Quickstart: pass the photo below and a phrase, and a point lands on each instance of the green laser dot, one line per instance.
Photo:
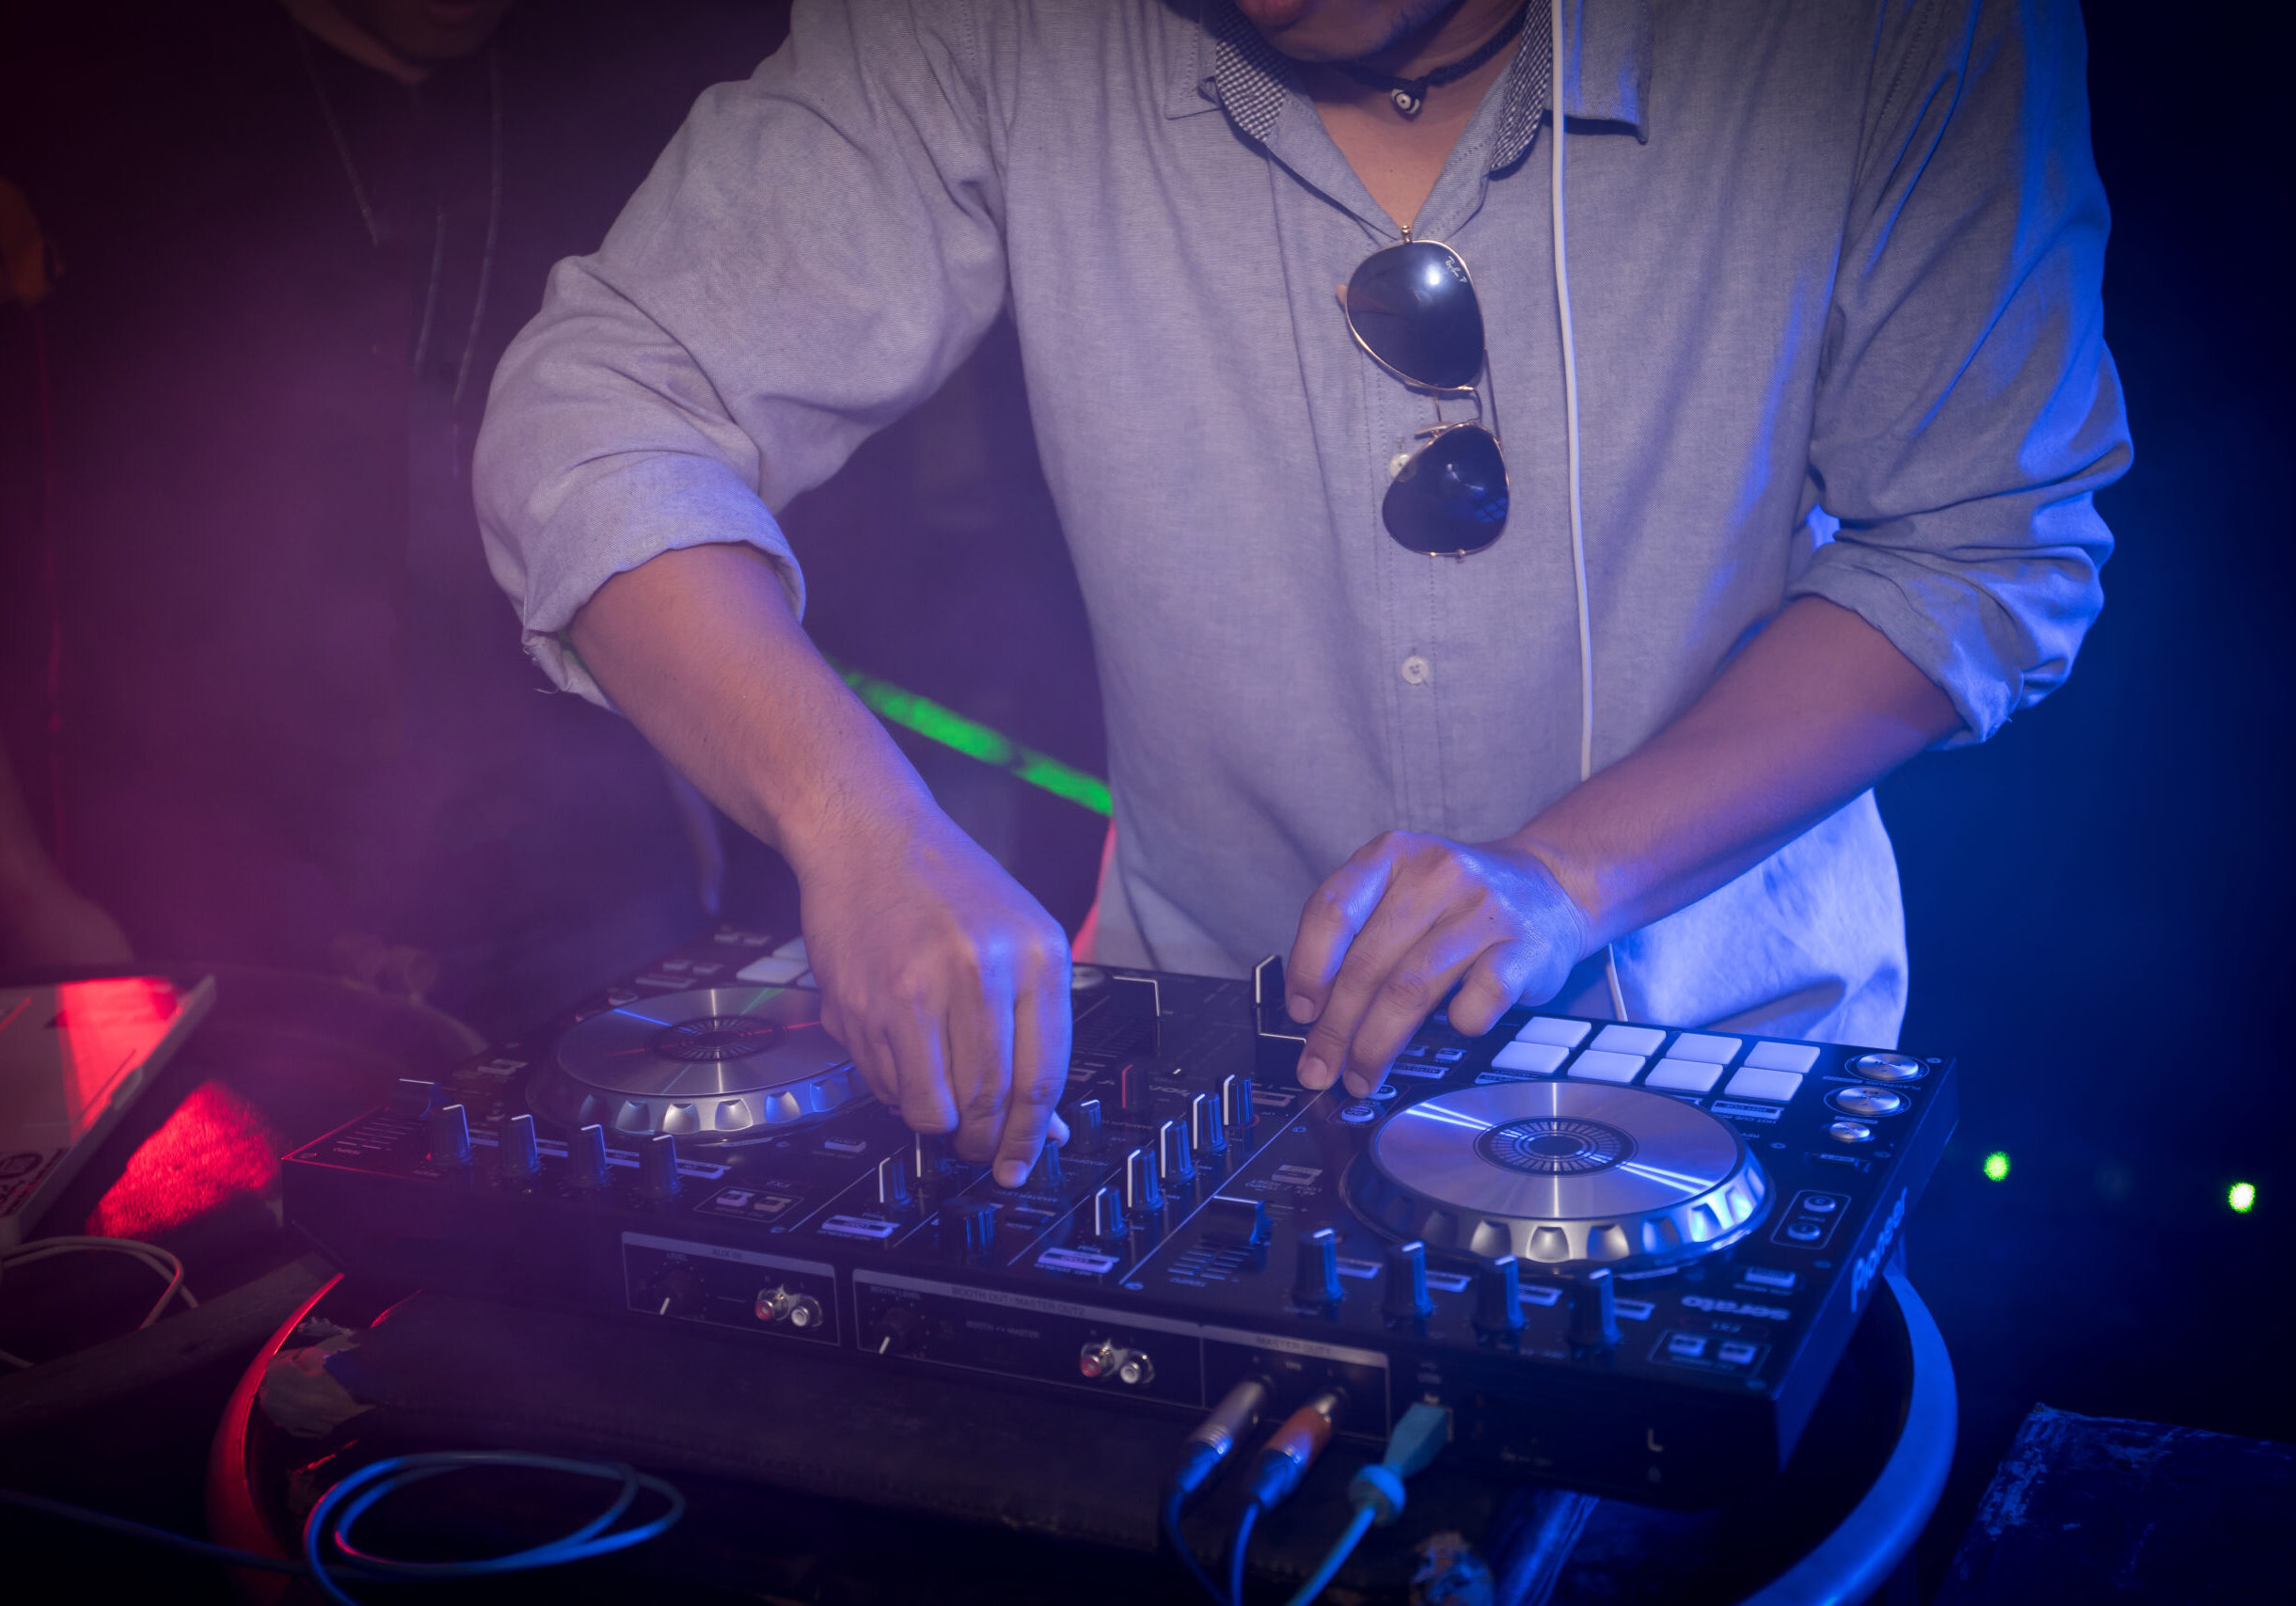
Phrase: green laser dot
(2242, 1198)
(1997, 1167)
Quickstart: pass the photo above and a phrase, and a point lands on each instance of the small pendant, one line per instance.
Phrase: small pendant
(1407, 102)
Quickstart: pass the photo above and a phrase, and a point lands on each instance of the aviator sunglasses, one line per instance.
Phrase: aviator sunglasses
(1413, 309)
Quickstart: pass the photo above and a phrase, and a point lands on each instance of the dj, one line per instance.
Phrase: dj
(1787, 480)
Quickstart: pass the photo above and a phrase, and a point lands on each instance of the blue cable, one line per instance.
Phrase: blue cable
(1377, 1489)
(342, 1507)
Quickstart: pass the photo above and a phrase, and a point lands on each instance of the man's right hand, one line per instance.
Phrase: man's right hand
(946, 983)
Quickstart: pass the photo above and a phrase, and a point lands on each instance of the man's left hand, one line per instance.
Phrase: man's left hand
(1392, 930)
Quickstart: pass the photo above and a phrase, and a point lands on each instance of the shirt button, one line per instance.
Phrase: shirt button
(1417, 670)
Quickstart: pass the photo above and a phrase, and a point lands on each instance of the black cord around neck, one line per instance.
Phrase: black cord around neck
(1410, 94)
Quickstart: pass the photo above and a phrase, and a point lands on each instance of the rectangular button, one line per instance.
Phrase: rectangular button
(1684, 1076)
(1764, 1277)
(1698, 1045)
(793, 948)
(1779, 1087)
(1690, 1346)
(1425, 1072)
(1546, 1057)
(1552, 1028)
(773, 971)
(1597, 1065)
(1538, 1293)
(1450, 1056)
(1633, 1310)
(1630, 1040)
(1738, 1352)
(1794, 1056)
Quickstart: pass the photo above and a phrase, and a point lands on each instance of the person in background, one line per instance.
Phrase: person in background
(280, 724)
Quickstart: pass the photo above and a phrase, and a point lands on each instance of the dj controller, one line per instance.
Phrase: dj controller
(1625, 1257)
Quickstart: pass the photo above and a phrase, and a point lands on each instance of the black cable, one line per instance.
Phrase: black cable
(133, 1529)
(1236, 1548)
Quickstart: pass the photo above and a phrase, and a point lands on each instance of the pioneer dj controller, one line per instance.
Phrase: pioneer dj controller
(1627, 1258)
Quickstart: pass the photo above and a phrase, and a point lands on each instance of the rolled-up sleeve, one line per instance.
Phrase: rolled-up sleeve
(818, 247)
(1967, 408)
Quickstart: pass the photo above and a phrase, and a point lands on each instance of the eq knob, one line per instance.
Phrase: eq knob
(1315, 1279)
(928, 1158)
(975, 1229)
(451, 1136)
(1594, 1315)
(412, 1098)
(1141, 1192)
(1175, 1155)
(1236, 1102)
(1404, 1298)
(586, 1156)
(1084, 1125)
(1046, 1174)
(893, 1191)
(521, 1155)
(1207, 1128)
(1498, 1296)
(658, 1166)
(1132, 1087)
(1107, 1214)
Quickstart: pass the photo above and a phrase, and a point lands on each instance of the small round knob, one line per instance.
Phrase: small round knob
(1594, 1315)
(521, 1155)
(451, 1136)
(899, 1330)
(1315, 1277)
(1142, 1193)
(1107, 1214)
(658, 1166)
(1084, 1125)
(1404, 1297)
(1175, 1155)
(586, 1156)
(1236, 1102)
(893, 1191)
(1498, 1296)
(1207, 1129)
(1046, 1174)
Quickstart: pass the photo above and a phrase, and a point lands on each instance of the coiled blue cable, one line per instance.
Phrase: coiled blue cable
(339, 1509)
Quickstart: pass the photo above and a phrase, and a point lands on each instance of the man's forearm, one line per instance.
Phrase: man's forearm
(1815, 710)
(702, 649)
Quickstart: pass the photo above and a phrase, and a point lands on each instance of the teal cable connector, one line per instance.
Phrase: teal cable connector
(1377, 1490)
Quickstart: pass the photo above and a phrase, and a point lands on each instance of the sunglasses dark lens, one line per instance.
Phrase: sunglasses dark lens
(1452, 496)
(1414, 306)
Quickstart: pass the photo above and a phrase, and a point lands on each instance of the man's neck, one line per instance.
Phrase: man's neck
(1455, 33)
(1399, 158)
(323, 21)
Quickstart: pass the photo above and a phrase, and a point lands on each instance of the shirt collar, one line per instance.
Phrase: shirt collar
(1605, 79)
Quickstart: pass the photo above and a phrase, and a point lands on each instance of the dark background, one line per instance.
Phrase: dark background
(2096, 900)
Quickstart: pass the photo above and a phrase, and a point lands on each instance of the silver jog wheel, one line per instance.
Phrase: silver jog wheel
(1562, 1175)
(718, 1063)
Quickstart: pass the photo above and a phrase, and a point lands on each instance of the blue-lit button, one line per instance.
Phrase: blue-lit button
(1690, 1346)
(1763, 1276)
(1738, 1352)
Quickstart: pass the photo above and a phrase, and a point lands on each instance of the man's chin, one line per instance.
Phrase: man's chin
(1336, 31)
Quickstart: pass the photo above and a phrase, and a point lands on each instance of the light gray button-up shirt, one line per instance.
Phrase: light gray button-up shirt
(1834, 266)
